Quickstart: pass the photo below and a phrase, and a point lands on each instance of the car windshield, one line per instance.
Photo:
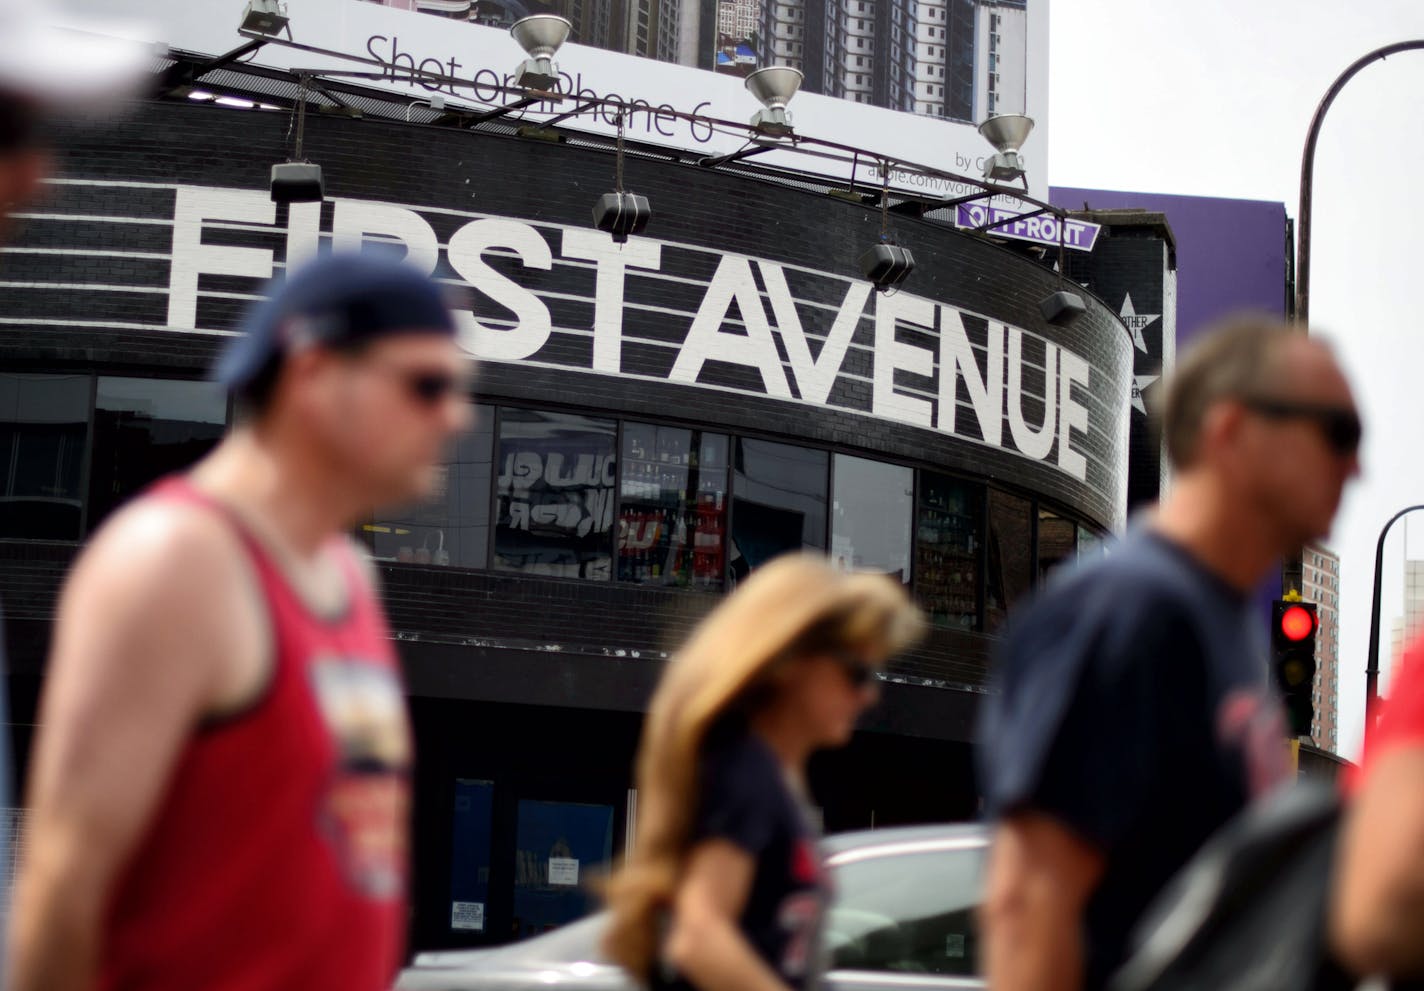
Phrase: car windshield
(909, 909)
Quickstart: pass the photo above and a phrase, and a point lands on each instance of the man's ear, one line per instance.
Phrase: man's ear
(1221, 425)
(20, 177)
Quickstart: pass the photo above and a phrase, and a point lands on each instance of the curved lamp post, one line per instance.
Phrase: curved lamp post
(1302, 314)
(1372, 664)
(1307, 169)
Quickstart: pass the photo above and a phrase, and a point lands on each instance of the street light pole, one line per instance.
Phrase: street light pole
(1372, 664)
(1307, 170)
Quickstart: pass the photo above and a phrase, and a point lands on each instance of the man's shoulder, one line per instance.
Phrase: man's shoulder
(1142, 575)
(1138, 606)
(739, 763)
(166, 548)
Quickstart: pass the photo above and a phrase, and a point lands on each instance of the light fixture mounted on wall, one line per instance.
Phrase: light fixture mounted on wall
(619, 213)
(297, 180)
(1007, 133)
(774, 86)
(1062, 307)
(540, 35)
(886, 264)
(267, 17)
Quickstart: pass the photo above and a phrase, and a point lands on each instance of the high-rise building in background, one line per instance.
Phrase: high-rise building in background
(959, 59)
(1000, 71)
(1320, 584)
(1408, 626)
(651, 28)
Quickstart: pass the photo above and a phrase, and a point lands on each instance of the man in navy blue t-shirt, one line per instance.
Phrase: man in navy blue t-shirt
(1132, 712)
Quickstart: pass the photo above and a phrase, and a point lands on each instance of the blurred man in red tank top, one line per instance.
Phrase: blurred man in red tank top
(219, 788)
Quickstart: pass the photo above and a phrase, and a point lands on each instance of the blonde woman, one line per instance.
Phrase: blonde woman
(724, 889)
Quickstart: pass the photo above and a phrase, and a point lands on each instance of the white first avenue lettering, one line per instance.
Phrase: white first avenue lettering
(925, 370)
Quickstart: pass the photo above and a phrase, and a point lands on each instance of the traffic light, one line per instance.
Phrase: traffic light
(1293, 626)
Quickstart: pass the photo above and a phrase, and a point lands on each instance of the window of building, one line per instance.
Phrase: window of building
(44, 427)
(1057, 541)
(452, 526)
(673, 520)
(145, 429)
(559, 846)
(1090, 544)
(947, 549)
(1009, 549)
(871, 511)
(557, 475)
(778, 503)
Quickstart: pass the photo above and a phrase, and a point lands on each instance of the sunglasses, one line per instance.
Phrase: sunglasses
(428, 387)
(1339, 425)
(857, 672)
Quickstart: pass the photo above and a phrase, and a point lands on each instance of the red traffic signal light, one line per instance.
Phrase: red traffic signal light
(1297, 623)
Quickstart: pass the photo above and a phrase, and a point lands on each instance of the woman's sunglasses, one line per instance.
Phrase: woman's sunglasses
(857, 671)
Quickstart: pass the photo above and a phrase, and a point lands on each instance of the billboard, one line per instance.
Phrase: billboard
(904, 79)
(1231, 254)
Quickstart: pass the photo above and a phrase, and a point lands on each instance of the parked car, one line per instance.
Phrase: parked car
(903, 918)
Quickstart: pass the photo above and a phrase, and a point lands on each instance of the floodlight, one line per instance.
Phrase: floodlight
(774, 86)
(264, 17)
(621, 214)
(887, 265)
(297, 182)
(540, 35)
(1062, 307)
(1007, 133)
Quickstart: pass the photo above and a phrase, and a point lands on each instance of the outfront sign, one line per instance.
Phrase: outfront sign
(1045, 229)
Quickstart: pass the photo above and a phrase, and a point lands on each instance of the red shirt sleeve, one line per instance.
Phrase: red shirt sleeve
(1401, 716)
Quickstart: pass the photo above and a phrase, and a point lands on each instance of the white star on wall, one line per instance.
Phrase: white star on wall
(1139, 385)
(1136, 322)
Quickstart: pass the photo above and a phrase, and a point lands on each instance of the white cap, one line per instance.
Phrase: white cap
(67, 62)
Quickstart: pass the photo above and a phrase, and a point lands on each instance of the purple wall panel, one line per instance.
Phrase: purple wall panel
(1231, 254)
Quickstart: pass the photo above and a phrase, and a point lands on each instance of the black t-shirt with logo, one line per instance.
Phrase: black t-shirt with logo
(745, 800)
(1132, 704)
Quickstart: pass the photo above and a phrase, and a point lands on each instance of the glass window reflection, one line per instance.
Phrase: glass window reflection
(452, 526)
(44, 426)
(1010, 555)
(779, 502)
(673, 520)
(888, 918)
(871, 516)
(1057, 541)
(948, 550)
(1090, 544)
(145, 429)
(557, 477)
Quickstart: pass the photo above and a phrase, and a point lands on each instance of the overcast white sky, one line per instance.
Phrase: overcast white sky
(1213, 98)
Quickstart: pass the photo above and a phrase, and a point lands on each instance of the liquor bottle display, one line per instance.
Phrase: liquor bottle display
(674, 507)
(947, 551)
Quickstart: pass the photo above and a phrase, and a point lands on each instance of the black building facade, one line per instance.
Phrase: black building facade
(1134, 267)
(654, 421)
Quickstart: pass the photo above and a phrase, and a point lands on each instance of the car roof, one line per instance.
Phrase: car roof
(975, 833)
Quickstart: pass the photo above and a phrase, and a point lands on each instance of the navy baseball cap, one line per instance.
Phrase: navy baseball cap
(336, 300)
